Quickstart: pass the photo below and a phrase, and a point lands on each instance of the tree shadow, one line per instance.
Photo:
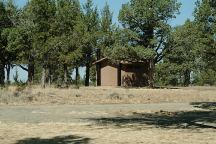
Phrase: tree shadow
(176, 120)
(56, 140)
(205, 105)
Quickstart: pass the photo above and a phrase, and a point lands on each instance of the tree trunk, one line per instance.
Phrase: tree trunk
(2, 74)
(43, 77)
(49, 76)
(148, 36)
(8, 68)
(187, 78)
(65, 75)
(77, 75)
(31, 70)
(151, 73)
(87, 74)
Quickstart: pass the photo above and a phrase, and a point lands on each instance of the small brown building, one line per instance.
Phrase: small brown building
(132, 74)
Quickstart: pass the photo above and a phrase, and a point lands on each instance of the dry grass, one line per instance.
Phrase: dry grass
(104, 95)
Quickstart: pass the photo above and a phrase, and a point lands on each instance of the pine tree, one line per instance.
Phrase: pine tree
(183, 58)
(7, 22)
(107, 30)
(66, 38)
(205, 15)
(42, 15)
(20, 41)
(91, 22)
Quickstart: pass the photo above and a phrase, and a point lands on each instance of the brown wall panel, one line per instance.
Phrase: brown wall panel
(109, 75)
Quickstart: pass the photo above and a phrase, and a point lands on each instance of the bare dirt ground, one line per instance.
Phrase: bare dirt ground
(108, 116)
(52, 133)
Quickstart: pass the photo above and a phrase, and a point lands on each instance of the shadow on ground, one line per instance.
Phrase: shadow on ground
(56, 140)
(205, 105)
(162, 119)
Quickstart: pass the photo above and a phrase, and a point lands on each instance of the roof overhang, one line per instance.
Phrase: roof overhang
(121, 62)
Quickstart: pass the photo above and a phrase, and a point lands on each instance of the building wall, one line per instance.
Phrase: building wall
(109, 74)
(134, 75)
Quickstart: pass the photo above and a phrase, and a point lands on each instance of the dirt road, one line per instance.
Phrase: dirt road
(77, 113)
(105, 124)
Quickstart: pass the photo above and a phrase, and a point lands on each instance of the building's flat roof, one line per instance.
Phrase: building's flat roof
(100, 60)
(122, 62)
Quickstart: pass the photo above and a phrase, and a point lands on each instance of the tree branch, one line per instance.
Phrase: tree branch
(22, 67)
(160, 43)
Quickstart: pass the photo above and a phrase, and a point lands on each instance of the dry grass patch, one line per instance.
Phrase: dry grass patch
(105, 95)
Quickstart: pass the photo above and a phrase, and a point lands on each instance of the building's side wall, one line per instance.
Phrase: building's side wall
(134, 75)
(109, 74)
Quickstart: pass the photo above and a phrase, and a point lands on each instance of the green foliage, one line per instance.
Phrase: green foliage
(106, 40)
(205, 15)
(8, 19)
(167, 75)
(67, 37)
(91, 32)
(205, 18)
(147, 21)
(192, 57)
(106, 19)
(206, 77)
(93, 75)
(183, 58)
(91, 29)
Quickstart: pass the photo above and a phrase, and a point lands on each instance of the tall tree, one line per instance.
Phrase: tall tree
(205, 18)
(13, 15)
(91, 21)
(42, 14)
(183, 58)
(3, 20)
(7, 22)
(107, 29)
(146, 22)
(20, 41)
(66, 34)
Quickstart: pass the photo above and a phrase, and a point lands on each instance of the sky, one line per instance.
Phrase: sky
(186, 12)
